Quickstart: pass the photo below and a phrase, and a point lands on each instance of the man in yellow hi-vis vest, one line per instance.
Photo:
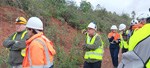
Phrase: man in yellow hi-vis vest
(124, 36)
(16, 43)
(138, 55)
(93, 48)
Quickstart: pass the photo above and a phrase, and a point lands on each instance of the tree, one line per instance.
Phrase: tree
(98, 7)
(85, 6)
(133, 14)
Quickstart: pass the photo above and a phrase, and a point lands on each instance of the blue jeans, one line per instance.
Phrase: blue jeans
(114, 56)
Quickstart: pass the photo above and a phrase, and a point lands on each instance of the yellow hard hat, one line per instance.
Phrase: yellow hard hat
(21, 20)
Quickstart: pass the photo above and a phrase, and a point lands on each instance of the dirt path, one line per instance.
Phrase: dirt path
(107, 62)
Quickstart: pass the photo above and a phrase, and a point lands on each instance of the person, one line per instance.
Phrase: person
(133, 22)
(93, 47)
(39, 50)
(124, 36)
(16, 43)
(138, 55)
(142, 21)
(114, 39)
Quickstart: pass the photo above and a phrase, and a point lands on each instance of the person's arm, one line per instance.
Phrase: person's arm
(119, 40)
(84, 46)
(96, 44)
(20, 44)
(9, 42)
(37, 54)
(110, 38)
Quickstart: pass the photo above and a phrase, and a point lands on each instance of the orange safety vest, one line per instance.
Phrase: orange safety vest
(116, 36)
(39, 52)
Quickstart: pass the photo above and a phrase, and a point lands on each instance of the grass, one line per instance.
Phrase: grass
(4, 58)
(71, 60)
(76, 40)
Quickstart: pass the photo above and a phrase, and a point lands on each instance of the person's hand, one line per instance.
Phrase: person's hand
(16, 41)
(114, 34)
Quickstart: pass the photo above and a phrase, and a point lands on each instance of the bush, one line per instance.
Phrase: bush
(4, 58)
(76, 41)
(70, 60)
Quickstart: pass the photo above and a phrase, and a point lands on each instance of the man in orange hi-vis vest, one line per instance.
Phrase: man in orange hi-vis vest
(39, 50)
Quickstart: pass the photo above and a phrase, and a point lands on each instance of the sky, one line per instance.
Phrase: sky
(121, 6)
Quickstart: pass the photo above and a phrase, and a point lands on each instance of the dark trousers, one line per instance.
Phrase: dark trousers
(92, 65)
(114, 56)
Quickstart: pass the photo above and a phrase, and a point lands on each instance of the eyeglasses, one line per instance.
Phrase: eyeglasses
(28, 28)
(18, 20)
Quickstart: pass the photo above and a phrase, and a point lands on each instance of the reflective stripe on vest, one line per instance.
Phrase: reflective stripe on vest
(94, 54)
(22, 50)
(49, 64)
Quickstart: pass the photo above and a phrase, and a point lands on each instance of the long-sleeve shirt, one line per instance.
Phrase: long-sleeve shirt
(112, 39)
(15, 57)
(87, 47)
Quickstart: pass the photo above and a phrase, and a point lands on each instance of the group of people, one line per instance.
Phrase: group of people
(123, 39)
(133, 42)
(28, 47)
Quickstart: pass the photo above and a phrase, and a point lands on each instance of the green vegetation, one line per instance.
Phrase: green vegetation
(67, 60)
(4, 58)
(77, 17)
(63, 59)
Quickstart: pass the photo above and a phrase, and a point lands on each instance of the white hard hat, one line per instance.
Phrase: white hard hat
(113, 27)
(92, 25)
(133, 22)
(143, 16)
(122, 26)
(35, 23)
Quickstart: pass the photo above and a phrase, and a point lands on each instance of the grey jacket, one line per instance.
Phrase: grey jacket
(87, 47)
(15, 57)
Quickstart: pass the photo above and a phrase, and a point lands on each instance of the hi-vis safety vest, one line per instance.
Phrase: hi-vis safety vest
(138, 55)
(124, 43)
(136, 29)
(23, 50)
(94, 54)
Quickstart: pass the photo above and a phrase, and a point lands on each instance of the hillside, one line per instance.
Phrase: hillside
(63, 36)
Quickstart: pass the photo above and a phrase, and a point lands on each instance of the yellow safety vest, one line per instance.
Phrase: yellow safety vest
(135, 30)
(23, 50)
(94, 54)
(139, 36)
(124, 43)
